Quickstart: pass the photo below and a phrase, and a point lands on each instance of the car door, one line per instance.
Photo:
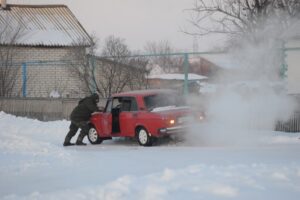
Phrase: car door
(107, 119)
(115, 115)
(128, 116)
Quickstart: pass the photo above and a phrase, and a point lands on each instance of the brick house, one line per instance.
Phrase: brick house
(40, 39)
(202, 66)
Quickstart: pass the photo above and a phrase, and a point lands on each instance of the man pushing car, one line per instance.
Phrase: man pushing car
(80, 117)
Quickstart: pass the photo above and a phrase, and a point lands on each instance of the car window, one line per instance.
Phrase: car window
(112, 104)
(129, 104)
(108, 106)
(162, 100)
(124, 104)
(117, 102)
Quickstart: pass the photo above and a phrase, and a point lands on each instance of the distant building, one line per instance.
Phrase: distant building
(292, 61)
(202, 66)
(201, 69)
(176, 81)
(42, 33)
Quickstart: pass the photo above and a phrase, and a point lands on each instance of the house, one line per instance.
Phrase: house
(292, 62)
(176, 81)
(38, 40)
(202, 68)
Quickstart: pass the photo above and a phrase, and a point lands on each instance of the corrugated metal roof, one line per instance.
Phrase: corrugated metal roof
(41, 25)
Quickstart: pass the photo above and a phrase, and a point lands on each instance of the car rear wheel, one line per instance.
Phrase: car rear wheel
(93, 136)
(143, 137)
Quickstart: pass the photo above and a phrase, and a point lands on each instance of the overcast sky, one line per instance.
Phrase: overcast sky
(136, 21)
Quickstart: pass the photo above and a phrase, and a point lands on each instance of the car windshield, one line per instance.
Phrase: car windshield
(163, 100)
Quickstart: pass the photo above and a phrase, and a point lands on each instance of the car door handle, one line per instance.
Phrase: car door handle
(134, 114)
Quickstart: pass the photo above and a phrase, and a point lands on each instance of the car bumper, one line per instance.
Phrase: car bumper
(172, 130)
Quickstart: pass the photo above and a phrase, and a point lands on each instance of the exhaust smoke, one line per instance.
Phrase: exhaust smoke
(250, 96)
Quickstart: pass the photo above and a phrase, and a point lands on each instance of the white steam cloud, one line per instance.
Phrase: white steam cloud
(250, 97)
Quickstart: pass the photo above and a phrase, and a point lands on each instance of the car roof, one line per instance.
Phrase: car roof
(143, 92)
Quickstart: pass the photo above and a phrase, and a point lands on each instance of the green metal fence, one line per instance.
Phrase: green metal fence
(28, 70)
(186, 62)
(37, 75)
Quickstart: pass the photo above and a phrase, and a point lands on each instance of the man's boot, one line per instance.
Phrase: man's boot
(80, 139)
(68, 144)
(73, 129)
(67, 141)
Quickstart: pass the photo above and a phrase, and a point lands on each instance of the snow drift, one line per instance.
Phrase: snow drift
(35, 165)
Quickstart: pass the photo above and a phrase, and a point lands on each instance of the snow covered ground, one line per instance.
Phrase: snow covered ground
(35, 165)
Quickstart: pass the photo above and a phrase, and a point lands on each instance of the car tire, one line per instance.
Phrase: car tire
(143, 137)
(93, 136)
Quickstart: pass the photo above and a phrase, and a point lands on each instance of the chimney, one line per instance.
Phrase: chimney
(3, 4)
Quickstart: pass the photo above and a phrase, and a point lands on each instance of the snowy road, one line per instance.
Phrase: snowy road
(35, 165)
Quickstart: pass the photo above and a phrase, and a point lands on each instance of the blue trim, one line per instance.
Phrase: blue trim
(93, 73)
(292, 49)
(24, 76)
(186, 74)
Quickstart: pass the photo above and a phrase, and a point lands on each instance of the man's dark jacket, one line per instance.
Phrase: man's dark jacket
(84, 109)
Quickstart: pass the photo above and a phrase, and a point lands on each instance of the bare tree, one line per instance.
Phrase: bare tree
(82, 66)
(114, 71)
(10, 34)
(240, 17)
(139, 73)
(118, 70)
(116, 76)
(168, 63)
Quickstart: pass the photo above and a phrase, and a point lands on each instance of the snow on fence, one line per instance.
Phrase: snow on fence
(292, 125)
(44, 109)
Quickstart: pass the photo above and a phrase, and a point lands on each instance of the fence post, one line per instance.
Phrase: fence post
(94, 78)
(24, 77)
(91, 61)
(284, 66)
(186, 74)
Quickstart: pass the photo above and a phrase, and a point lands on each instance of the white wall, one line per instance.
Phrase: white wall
(293, 62)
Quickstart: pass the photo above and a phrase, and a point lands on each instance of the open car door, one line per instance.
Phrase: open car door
(128, 116)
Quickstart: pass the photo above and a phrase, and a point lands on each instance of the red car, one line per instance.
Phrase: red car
(145, 115)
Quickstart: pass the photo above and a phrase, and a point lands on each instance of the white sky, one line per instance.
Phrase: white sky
(136, 21)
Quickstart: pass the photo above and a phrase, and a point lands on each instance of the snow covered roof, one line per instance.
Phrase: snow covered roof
(191, 77)
(42, 25)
